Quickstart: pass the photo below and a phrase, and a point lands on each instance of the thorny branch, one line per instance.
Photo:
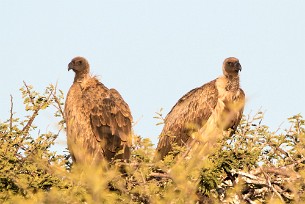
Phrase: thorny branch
(268, 181)
(57, 101)
(29, 93)
(26, 128)
(11, 113)
(159, 175)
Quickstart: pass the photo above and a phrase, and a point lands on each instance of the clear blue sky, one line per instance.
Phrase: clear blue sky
(153, 52)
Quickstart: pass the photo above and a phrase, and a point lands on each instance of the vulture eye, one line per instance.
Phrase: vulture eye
(79, 62)
(230, 63)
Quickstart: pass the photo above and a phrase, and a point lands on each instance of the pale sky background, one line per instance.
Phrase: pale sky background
(153, 52)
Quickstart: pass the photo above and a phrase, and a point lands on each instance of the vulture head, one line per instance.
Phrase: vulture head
(231, 66)
(79, 65)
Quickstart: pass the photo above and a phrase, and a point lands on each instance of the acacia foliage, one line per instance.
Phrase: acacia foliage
(255, 165)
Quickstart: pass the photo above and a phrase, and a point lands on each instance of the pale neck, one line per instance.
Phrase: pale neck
(80, 76)
(232, 82)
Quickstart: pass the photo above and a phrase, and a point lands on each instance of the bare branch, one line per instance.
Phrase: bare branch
(159, 175)
(279, 171)
(137, 121)
(26, 128)
(271, 186)
(133, 164)
(296, 162)
(29, 93)
(11, 114)
(57, 101)
(252, 179)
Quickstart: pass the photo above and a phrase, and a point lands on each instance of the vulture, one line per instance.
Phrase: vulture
(217, 105)
(98, 120)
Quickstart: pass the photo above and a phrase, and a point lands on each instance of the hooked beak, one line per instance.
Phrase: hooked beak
(238, 67)
(70, 66)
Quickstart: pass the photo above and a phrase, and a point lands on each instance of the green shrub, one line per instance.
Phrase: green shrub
(255, 165)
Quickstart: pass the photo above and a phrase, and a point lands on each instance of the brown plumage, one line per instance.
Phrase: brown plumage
(215, 105)
(98, 119)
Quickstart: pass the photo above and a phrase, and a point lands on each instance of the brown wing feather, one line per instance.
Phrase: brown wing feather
(110, 119)
(188, 114)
